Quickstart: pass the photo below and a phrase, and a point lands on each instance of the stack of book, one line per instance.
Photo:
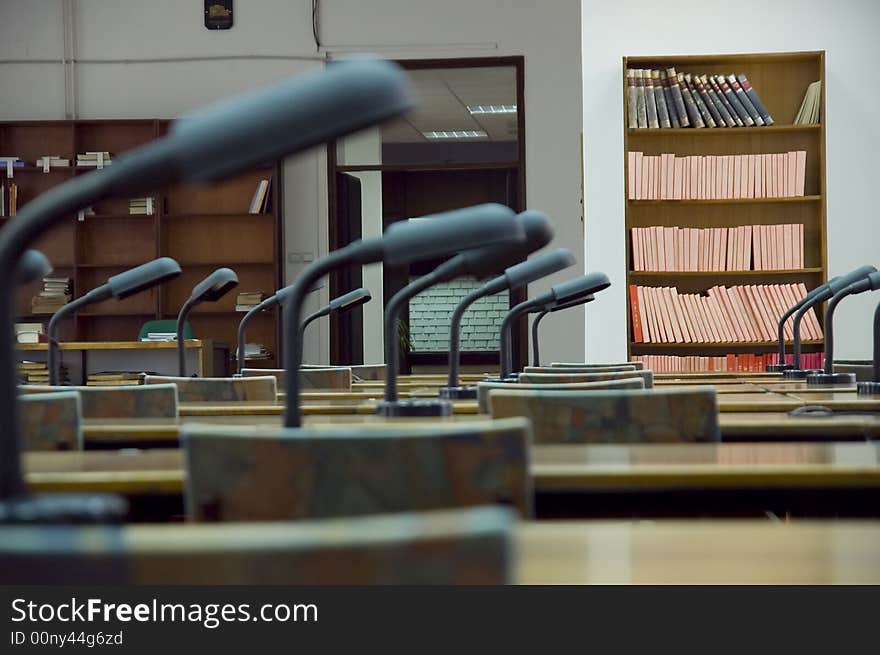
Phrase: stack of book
(96, 159)
(141, 206)
(29, 332)
(716, 177)
(668, 99)
(56, 293)
(254, 351)
(260, 199)
(8, 197)
(744, 362)
(38, 373)
(740, 314)
(114, 379)
(247, 300)
(769, 247)
(808, 114)
(47, 162)
(160, 336)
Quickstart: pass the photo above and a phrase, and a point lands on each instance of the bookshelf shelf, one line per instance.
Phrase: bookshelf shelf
(781, 80)
(210, 228)
(729, 201)
(700, 274)
(728, 131)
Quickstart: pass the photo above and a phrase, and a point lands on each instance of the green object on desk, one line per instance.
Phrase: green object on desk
(165, 325)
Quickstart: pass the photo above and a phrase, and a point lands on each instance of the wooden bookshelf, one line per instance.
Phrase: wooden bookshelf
(202, 226)
(781, 80)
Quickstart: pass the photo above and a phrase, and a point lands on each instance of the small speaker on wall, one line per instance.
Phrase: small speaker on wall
(218, 14)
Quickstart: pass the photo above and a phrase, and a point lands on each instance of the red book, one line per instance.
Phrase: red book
(636, 314)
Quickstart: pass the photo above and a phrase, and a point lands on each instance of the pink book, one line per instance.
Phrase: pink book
(631, 175)
(792, 174)
(680, 316)
(703, 318)
(730, 261)
(800, 245)
(659, 250)
(746, 249)
(653, 316)
(690, 317)
(728, 323)
(643, 186)
(744, 312)
(719, 177)
(783, 156)
(781, 307)
(676, 178)
(708, 255)
(670, 176)
(658, 177)
(773, 308)
(789, 245)
(645, 306)
(661, 194)
(750, 177)
(668, 313)
(780, 246)
(766, 309)
(636, 253)
(659, 329)
(695, 177)
(686, 178)
(704, 177)
(766, 262)
(732, 313)
(643, 249)
(748, 299)
(800, 172)
(731, 176)
(759, 175)
(736, 177)
(780, 174)
(684, 241)
(669, 246)
(756, 246)
(695, 249)
(723, 238)
(792, 295)
(650, 189)
(770, 169)
(712, 320)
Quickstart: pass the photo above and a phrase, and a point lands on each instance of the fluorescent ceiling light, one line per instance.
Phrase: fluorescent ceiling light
(455, 134)
(492, 109)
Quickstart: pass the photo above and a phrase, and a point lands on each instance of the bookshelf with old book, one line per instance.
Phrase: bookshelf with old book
(724, 176)
(234, 223)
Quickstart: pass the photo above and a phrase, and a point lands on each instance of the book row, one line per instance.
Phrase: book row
(766, 247)
(8, 198)
(716, 177)
(740, 362)
(736, 314)
(668, 99)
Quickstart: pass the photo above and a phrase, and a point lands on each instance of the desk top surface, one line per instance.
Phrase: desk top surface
(698, 552)
(553, 467)
(121, 345)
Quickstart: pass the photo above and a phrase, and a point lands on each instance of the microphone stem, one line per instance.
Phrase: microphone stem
(455, 332)
(505, 345)
(829, 331)
(392, 312)
(877, 344)
(536, 355)
(781, 331)
(181, 343)
(796, 329)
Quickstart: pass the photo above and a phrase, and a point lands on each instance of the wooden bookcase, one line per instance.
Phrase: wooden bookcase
(781, 79)
(202, 226)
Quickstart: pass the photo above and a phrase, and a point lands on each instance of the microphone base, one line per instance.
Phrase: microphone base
(800, 373)
(415, 407)
(831, 378)
(458, 393)
(868, 388)
(509, 380)
(63, 509)
(778, 368)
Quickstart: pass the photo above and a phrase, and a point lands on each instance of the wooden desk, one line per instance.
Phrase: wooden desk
(698, 552)
(327, 407)
(553, 467)
(207, 357)
(774, 426)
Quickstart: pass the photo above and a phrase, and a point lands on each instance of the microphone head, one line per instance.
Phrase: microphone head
(303, 111)
(538, 267)
(448, 232)
(350, 300)
(580, 286)
(843, 281)
(583, 300)
(215, 286)
(32, 266)
(143, 277)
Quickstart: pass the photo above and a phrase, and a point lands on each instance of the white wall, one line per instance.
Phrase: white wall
(849, 32)
(161, 61)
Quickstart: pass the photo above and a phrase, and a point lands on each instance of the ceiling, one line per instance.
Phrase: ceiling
(442, 98)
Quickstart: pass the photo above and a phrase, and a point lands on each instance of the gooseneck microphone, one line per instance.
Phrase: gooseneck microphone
(828, 376)
(402, 243)
(872, 388)
(827, 292)
(515, 277)
(212, 288)
(212, 143)
(781, 366)
(281, 296)
(577, 302)
(123, 285)
(565, 292)
(341, 303)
